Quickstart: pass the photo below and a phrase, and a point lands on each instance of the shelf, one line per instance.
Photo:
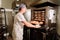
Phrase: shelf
(38, 15)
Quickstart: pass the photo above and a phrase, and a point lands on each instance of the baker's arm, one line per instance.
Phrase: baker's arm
(30, 25)
(21, 18)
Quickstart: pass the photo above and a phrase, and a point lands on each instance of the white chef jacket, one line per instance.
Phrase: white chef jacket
(18, 27)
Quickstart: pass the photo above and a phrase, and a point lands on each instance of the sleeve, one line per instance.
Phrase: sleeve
(21, 18)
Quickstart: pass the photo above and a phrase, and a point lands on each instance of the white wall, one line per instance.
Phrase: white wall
(28, 15)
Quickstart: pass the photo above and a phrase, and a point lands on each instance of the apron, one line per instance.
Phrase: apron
(17, 33)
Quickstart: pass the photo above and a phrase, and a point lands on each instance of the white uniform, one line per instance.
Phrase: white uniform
(18, 27)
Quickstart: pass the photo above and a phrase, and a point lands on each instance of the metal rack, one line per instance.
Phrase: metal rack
(3, 25)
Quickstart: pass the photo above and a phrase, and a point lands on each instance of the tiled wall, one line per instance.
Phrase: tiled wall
(58, 21)
(6, 3)
(59, 2)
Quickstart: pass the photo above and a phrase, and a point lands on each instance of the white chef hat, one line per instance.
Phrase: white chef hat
(22, 6)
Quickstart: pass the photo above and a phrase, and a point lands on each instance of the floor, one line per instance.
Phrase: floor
(9, 38)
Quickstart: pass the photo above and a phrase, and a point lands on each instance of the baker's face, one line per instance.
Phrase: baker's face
(24, 10)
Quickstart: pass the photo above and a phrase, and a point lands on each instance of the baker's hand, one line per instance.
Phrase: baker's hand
(37, 26)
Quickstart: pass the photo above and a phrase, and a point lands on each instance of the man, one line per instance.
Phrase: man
(19, 22)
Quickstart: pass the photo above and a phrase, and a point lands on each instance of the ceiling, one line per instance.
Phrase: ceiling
(28, 2)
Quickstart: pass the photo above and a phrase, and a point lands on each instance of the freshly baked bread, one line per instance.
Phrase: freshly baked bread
(34, 22)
